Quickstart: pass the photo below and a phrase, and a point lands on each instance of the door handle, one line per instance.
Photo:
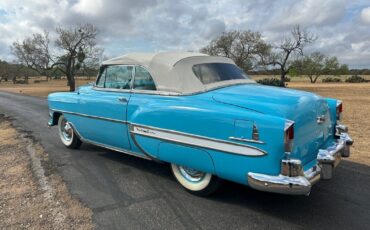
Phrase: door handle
(122, 99)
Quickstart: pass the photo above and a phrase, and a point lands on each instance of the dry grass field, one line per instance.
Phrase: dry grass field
(41, 89)
(356, 111)
(355, 96)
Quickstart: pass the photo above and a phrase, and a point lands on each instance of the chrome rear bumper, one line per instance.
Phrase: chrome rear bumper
(293, 180)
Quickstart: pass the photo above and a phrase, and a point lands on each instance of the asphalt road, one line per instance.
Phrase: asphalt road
(125, 192)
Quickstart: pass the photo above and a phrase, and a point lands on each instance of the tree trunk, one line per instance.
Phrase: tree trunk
(70, 74)
(316, 77)
(282, 78)
(71, 83)
(311, 79)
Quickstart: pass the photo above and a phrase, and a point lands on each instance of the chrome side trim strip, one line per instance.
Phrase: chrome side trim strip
(107, 146)
(148, 155)
(196, 140)
(181, 138)
(246, 140)
(90, 116)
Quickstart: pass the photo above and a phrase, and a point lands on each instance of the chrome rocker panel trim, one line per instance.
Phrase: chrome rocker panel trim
(108, 146)
(89, 116)
(300, 183)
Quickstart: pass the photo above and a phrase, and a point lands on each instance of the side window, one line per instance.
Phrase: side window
(118, 77)
(143, 80)
(101, 79)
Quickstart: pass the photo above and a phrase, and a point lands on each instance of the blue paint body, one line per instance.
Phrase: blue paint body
(218, 114)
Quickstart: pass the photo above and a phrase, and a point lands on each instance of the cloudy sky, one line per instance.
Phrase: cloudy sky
(342, 26)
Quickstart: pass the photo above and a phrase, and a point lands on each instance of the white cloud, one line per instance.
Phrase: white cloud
(285, 14)
(88, 7)
(153, 25)
(365, 15)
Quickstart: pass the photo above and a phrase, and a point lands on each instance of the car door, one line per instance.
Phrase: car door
(144, 96)
(105, 107)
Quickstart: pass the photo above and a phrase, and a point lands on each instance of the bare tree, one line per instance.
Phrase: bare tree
(241, 46)
(77, 44)
(284, 54)
(34, 53)
(73, 46)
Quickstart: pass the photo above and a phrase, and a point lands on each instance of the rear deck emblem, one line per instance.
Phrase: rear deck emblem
(321, 119)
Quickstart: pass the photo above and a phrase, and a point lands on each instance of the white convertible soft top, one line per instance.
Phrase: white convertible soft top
(172, 71)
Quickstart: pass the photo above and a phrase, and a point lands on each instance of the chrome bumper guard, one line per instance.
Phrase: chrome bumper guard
(293, 180)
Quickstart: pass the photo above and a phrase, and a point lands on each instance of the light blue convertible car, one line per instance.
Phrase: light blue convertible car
(208, 120)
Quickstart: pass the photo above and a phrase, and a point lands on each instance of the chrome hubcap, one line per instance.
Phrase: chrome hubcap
(67, 130)
(190, 174)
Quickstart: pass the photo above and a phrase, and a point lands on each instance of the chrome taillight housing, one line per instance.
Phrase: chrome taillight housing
(339, 109)
(288, 136)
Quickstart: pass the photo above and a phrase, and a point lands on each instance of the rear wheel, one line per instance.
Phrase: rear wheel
(196, 182)
(67, 134)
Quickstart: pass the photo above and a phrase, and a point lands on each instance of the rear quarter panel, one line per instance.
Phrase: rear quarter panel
(201, 115)
(332, 103)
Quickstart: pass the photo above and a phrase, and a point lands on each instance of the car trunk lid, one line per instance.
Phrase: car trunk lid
(303, 108)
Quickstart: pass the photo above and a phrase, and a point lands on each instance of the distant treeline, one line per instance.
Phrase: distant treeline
(359, 71)
(277, 72)
(14, 72)
(19, 73)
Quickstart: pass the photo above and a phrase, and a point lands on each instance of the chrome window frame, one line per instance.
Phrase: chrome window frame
(96, 87)
(132, 90)
(143, 90)
(100, 75)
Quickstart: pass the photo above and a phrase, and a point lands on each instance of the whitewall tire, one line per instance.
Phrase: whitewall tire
(67, 134)
(194, 181)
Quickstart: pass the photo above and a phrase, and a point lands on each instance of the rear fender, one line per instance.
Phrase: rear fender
(186, 156)
(332, 103)
(200, 117)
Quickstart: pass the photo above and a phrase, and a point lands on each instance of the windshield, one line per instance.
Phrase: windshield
(209, 73)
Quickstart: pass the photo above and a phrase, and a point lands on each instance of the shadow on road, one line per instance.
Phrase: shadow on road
(343, 201)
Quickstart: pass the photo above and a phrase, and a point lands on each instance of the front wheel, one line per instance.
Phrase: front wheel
(67, 134)
(196, 182)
